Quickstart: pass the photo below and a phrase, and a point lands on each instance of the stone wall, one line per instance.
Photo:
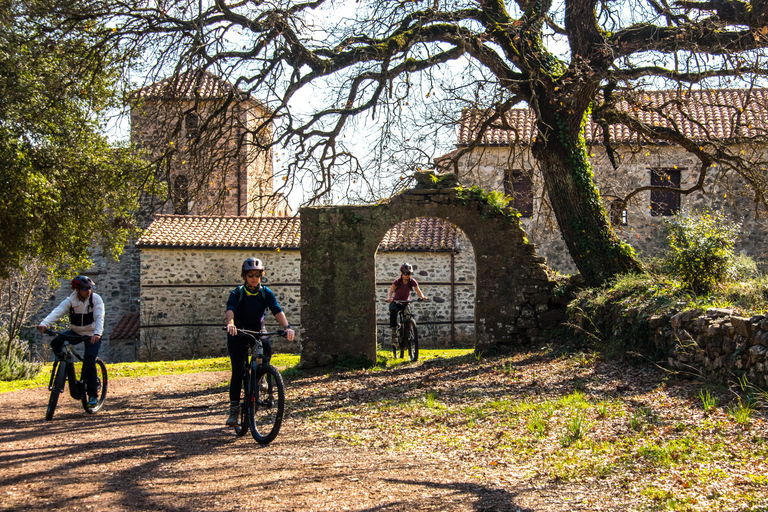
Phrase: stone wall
(513, 295)
(184, 294)
(717, 344)
(714, 344)
(485, 167)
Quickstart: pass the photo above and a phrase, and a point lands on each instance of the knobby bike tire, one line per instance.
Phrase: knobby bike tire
(402, 338)
(245, 398)
(265, 412)
(101, 381)
(412, 340)
(57, 387)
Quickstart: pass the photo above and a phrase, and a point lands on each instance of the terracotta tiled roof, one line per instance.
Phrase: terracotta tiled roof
(725, 114)
(222, 232)
(423, 234)
(190, 85)
(127, 327)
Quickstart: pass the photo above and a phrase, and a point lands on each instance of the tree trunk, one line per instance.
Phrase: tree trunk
(561, 152)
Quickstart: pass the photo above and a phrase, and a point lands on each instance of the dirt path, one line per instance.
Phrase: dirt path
(160, 444)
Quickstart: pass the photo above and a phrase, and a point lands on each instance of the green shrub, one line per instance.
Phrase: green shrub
(701, 249)
(19, 365)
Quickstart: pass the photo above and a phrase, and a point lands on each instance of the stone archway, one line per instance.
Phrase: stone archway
(338, 246)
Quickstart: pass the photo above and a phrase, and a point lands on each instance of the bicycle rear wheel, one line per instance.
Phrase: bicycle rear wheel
(412, 340)
(265, 412)
(56, 386)
(246, 397)
(101, 382)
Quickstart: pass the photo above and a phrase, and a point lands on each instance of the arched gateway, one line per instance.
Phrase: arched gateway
(513, 299)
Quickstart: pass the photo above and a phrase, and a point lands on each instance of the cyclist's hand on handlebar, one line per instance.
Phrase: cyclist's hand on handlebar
(290, 334)
(42, 328)
(231, 330)
(422, 299)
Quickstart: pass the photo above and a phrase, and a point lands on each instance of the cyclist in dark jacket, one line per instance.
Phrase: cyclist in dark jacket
(86, 318)
(246, 308)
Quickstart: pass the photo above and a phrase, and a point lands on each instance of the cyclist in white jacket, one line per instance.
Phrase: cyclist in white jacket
(86, 318)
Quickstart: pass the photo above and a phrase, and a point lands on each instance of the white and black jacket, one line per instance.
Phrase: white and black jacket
(85, 317)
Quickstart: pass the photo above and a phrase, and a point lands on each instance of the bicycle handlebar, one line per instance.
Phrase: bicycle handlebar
(279, 332)
(409, 301)
(51, 332)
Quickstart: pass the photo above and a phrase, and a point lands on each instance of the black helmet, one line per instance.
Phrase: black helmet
(82, 282)
(406, 268)
(252, 264)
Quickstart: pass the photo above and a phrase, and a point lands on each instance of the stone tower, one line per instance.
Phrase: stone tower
(212, 146)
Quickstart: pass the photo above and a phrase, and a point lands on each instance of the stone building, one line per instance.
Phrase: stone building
(503, 161)
(189, 264)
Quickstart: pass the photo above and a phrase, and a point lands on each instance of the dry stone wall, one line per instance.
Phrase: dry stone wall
(715, 344)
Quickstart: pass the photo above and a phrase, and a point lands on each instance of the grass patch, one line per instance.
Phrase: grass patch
(284, 362)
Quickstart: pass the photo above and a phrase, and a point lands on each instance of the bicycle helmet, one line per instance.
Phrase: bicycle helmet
(252, 264)
(82, 282)
(406, 268)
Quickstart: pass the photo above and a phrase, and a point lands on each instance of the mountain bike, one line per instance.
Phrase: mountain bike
(262, 397)
(64, 370)
(407, 334)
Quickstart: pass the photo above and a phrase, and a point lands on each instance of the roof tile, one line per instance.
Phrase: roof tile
(190, 85)
(127, 328)
(724, 114)
(185, 231)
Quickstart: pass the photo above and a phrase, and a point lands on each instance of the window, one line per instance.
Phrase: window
(181, 195)
(619, 215)
(519, 186)
(665, 202)
(192, 122)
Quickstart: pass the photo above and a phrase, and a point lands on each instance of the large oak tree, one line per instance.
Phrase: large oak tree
(387, 60)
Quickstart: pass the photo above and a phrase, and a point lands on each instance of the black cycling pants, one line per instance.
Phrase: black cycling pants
(90, 376)
(238, 351)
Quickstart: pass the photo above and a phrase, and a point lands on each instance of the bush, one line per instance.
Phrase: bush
(701, 249)
(20, 364)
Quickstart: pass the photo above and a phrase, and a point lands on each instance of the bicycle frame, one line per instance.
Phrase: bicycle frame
(262, 404)
(407, 334)
(77, 387)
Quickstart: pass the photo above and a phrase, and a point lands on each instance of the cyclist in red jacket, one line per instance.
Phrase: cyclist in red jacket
(401, 290)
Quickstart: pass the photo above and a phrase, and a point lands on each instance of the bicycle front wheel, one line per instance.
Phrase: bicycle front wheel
(56, 386)
(101, 386)
(412, 340)
(265, 411)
